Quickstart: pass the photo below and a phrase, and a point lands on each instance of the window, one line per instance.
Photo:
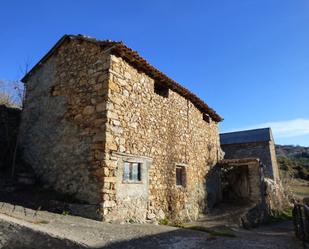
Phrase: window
(180, 176)
(206, 118)
(132, 172)
(161, 90)
(52, 90)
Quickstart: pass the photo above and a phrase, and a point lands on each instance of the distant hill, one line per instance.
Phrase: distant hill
(293, 160)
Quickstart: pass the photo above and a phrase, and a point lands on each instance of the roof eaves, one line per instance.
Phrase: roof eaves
(225, 162)
(140, 63)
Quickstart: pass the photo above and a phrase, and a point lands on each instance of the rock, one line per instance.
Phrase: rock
(101, 107)
(88, 110)
(151, 216)
(99, 137)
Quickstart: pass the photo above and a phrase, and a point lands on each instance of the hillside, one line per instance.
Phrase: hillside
(293, 161)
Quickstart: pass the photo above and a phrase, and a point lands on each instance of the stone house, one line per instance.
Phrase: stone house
(252, 143)
(100, 123)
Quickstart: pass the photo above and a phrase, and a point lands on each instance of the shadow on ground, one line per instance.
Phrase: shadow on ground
(276, 236)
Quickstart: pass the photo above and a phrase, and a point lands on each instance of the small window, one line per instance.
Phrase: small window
(132, 172)
(206, 117)
(52, 90)
(180, 176)
(161, 90)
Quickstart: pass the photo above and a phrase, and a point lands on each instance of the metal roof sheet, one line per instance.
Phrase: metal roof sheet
(247, 136)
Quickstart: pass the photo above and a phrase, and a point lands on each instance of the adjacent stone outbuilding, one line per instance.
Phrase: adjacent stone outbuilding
(102, 124)
(252, 143)
(235, 180)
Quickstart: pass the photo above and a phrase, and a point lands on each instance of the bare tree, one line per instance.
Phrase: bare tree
(6, 99)
(11, 93)
(20, 94)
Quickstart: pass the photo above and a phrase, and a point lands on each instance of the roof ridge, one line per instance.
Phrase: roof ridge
(247, 130)
(246, 136)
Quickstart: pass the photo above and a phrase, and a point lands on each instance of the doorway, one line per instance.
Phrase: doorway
(235, 183)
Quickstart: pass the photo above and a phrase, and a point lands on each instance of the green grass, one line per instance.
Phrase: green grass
(65, 212)
(220, 232)
(164, 222)
(282, 215)
(213, 233)
(300, 190)
(40, 222)
(223, 234)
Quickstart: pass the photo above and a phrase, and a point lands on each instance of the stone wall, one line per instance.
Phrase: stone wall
(9, 123)
(63, 121)
(265, 151)
(277, 198)
(274, 163)
(169, 131)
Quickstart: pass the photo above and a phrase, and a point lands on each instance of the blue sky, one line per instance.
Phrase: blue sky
(248, 59)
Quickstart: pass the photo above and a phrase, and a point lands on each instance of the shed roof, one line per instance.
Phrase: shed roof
(132, 57)
(247, 136)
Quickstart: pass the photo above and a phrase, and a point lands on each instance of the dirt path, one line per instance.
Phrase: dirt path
(19, 228)
(275, 236)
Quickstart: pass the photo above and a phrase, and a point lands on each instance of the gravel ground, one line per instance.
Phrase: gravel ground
(23, 228)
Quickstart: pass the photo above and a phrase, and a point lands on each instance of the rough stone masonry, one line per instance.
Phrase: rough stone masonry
(102, 124)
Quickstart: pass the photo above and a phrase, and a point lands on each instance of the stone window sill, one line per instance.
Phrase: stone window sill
(132, 182)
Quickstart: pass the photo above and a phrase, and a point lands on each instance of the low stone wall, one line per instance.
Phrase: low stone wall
(9, 123)
(16, 236)
(22, 228)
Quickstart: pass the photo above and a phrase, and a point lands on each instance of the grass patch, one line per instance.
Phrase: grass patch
(213, 232)
(164, 222)
(40, 222)
(300, 190)
(65, 212)
(223, 234)
(281, 215)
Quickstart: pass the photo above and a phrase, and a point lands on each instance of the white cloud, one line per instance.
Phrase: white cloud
(286, 129)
